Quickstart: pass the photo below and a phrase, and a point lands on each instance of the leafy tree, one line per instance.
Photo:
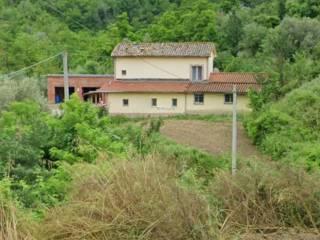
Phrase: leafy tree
(282, 9)
(193, 21)
(233, 32)
(253, 36)
(23, 138)
(81, 134)
(303, 8)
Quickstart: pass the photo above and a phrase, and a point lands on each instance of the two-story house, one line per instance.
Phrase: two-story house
(169, 78)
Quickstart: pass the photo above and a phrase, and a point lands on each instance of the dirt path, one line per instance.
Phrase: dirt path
(212, 137)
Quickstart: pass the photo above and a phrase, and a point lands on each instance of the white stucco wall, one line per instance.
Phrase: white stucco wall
(214, 103)
(140, 103)
(210, 63)
(161, 67)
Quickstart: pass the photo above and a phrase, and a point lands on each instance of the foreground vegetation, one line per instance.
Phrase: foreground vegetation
(86, 175)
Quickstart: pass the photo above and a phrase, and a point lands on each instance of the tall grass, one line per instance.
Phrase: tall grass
(133, 200)
(12, 225)
(267, 197)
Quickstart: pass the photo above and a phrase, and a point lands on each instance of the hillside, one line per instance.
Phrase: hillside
(83, 174)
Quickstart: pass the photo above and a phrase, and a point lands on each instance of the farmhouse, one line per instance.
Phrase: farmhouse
(160, 78)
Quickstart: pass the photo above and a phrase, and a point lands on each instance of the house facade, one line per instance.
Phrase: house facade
(169, 78)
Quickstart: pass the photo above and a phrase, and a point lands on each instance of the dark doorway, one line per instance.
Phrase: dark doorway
(88, 89)
(59, 94)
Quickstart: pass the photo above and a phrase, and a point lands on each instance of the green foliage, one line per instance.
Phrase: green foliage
(33, 143)
(21, 89)
(193, 21)
(23, 138)
(303, 8)
(233, 31)
(48, 189)
(289, 130)
(253, 37)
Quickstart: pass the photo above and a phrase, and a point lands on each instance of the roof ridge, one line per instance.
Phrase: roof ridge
(164, 49)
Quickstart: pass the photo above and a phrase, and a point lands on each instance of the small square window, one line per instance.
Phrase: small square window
(124, 72)
(228, 98)
(125, 102)
(174, 102)
(153, 102)
(198, 98)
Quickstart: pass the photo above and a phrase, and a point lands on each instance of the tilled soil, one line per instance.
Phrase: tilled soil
(212, 137)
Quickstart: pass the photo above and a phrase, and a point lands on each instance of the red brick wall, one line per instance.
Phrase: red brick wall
(78, 82)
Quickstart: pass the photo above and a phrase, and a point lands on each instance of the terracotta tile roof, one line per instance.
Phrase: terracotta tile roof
(222, 82)
(218, 83)
(125, 86)
(185, 49)
(233, 77)
(216, 87)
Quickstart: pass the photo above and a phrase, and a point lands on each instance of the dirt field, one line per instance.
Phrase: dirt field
(212, 137)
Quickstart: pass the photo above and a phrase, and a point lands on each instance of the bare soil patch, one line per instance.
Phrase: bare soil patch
(212, 137)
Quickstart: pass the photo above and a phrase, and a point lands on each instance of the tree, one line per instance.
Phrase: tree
(253, 36)
(192, 21)
(282, 9)
(23, 138)
(303, 8)
(233, 33)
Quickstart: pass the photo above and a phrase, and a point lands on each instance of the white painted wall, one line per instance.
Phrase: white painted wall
(161, 67)
(214, 103)
(140, 103)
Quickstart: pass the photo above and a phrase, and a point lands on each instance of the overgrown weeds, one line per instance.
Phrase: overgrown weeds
(12, 224)
(133, 200)
(268, 196)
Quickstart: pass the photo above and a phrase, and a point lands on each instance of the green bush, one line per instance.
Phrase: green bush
(289, 130)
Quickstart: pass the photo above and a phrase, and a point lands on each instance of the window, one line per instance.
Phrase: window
(153, 102)
(196, 73)
(124, 72)
(228, 98)
(198, 98)
(125, 102)
(174, 102)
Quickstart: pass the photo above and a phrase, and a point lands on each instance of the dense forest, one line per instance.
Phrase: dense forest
(86, 175)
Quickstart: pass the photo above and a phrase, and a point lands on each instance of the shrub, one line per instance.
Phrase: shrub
(305, 154)
(289, 130)
(133, 200)
(23, 137)
(304, 105)
(21, 90)
(267, 122)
